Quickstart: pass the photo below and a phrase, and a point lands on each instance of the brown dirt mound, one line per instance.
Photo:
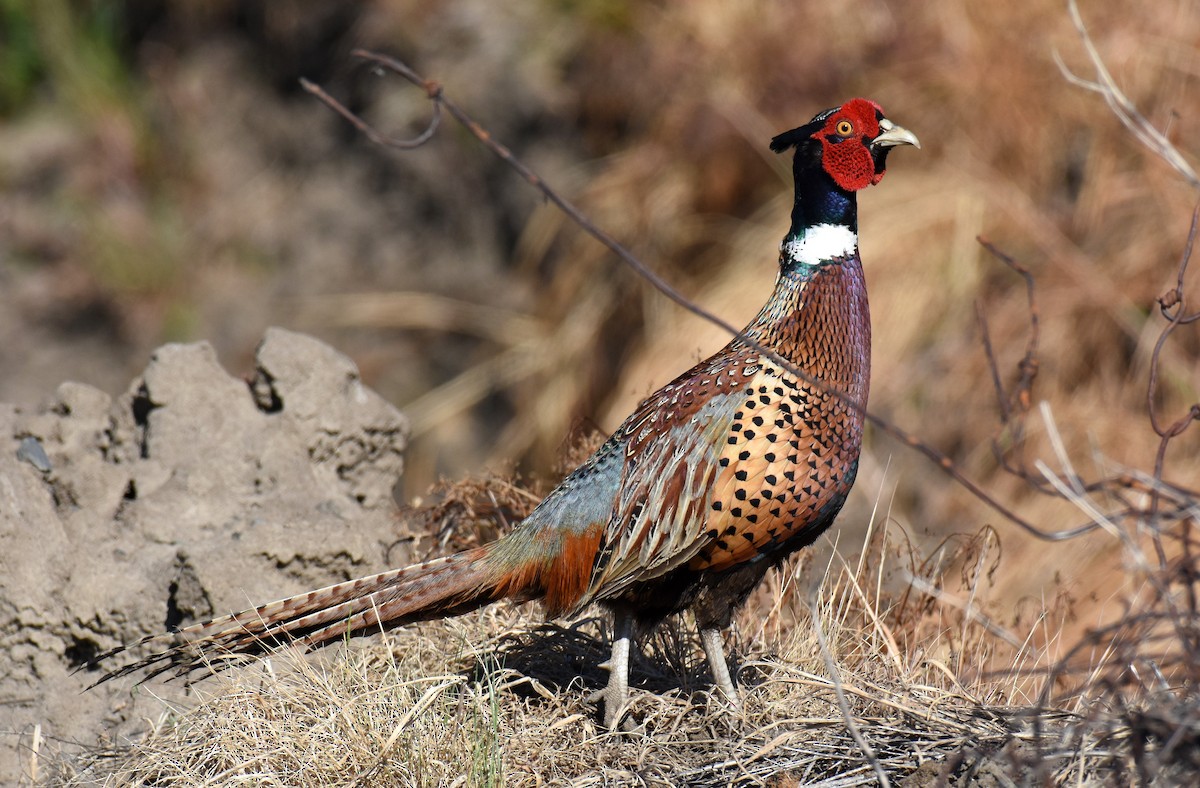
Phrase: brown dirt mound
(192, 494)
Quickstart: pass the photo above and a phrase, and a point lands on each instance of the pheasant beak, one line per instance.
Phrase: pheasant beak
(892, 135)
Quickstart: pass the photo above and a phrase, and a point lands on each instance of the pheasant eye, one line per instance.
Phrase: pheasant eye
(845, 128)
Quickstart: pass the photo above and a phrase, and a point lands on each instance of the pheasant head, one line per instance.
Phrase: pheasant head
(839, 152)
(850, 142)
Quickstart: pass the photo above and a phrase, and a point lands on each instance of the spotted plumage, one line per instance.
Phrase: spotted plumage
(715, 478)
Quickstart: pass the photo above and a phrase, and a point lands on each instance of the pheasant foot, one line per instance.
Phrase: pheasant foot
(615, 695)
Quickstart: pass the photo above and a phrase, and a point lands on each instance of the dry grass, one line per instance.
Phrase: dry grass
(852, 676)
(494, 698)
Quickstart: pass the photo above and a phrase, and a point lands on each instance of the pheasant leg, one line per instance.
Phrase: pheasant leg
(714, 648)
(616, 694)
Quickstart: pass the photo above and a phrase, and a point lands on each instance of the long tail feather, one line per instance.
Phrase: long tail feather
(441, 587)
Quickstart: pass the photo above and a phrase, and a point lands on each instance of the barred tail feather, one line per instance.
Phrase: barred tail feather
(433, 589)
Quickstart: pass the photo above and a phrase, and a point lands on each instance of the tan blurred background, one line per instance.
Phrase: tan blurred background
(164, 178)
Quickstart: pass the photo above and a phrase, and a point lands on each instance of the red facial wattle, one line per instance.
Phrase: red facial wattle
(845, 144)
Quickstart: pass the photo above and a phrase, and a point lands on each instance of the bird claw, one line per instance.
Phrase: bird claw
(615, 703)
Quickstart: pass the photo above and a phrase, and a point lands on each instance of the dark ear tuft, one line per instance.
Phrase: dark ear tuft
(795, 137)
(789, 139)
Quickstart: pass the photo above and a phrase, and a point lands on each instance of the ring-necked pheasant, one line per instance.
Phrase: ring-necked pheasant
(714, 479)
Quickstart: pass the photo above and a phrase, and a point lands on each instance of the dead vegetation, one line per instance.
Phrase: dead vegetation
(888, 668)
(494, 698)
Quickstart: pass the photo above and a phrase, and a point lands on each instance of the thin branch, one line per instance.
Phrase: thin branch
(1172, 305)
(1122, 107)
(1014, 405)
(993, 368)
(431, 88)
(839, 690)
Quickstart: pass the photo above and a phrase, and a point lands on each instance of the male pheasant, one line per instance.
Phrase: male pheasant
(715, 478)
